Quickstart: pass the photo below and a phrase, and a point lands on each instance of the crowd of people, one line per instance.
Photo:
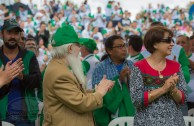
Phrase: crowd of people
(76, 67)
(42, 22)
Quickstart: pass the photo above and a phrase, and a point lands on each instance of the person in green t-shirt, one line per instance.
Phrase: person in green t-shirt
(135, 44)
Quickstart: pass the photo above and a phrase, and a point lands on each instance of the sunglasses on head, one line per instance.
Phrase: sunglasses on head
(167, 40)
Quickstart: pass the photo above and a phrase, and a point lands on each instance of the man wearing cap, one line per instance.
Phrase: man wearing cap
(66, 102)
(19, 106)
(90, 61)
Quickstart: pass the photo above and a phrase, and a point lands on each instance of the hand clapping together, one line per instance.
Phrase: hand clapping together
(11, 71)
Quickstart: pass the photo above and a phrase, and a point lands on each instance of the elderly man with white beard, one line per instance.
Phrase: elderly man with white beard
(66, 102)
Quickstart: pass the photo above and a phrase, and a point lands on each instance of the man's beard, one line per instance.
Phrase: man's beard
(77, 69)
(11, 46)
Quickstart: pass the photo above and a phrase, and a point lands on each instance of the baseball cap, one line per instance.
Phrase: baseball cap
(11, 24)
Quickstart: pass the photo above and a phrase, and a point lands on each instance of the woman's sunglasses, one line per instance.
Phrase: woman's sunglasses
(167, 40)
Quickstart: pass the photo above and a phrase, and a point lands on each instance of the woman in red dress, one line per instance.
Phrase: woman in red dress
(157, 85)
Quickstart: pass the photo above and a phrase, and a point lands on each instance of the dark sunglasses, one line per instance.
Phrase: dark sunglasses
(167, 40)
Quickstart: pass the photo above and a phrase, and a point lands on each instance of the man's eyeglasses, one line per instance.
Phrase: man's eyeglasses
(167, 40)
(120, 46)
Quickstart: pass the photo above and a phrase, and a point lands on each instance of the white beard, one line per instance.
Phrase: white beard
(76, 66)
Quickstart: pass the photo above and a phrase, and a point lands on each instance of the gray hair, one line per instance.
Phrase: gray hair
(60, 51)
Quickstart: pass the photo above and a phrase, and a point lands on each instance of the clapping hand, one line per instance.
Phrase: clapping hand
(17, 66)
(170, 83)
(11, 71)
(124, 73)
(104, 86)
(20, 65)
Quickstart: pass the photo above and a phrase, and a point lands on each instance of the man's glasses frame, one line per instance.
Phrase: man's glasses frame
(121, 46)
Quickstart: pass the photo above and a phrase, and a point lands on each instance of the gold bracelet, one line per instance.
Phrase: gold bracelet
(173, 93)
(150, 96)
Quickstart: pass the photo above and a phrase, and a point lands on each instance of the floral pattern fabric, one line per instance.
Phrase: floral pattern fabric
(163, 111)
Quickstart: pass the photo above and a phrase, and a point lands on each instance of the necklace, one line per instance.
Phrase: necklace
(160, 75)
(157, 67)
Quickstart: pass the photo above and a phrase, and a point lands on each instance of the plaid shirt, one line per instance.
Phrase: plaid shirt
(108, 68)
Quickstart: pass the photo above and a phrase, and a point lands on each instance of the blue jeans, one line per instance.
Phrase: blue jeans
(22, 123)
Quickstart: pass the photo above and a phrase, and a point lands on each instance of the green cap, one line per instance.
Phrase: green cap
(64, 35)
(89, 43)
(11, 24)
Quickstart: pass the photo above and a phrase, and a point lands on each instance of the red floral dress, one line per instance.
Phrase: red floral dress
(163, 111)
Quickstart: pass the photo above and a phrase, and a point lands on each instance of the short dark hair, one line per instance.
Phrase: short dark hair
(110, 42)
(30, 37)
(191, 37)
(136, 42)
(154, 35)
(104, 57)
(184, 36)
(3, 5)
(21, 6)
(42, 22)
(156, 23)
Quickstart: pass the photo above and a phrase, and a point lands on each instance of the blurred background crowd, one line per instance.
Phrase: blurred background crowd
(41, 23)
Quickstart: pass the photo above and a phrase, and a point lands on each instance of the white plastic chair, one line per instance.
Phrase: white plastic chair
(122, 121)
(189, 120)
(191, 112)
(6, 124)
